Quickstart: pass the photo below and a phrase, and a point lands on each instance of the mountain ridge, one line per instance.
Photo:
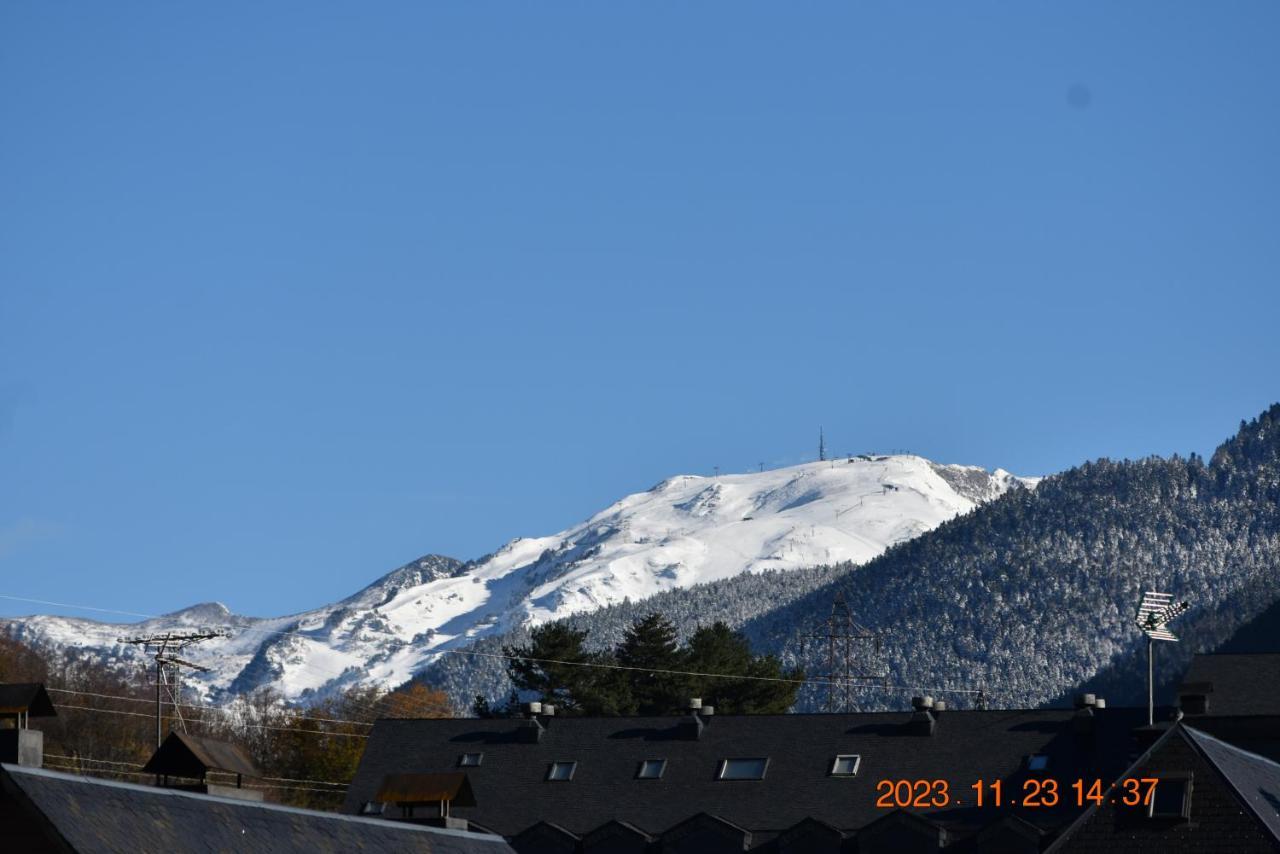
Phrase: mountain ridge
(685, 530)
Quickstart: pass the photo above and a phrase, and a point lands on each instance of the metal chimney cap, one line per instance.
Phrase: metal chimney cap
(535, 708)
(1100, 703)
(695, 703)
(548, 710)
(940, 705)
(708, 711)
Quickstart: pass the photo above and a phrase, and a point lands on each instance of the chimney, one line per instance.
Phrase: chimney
(1193, 697)
(530, 731)
(690, 728)
(922, 721)
(22, 745)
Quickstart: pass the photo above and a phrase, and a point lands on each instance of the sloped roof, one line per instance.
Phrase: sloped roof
(1255, 778)
(184, 755)
(26, 697)
(512, 792)
(1238, 684)
(100, 815)
(425, 788)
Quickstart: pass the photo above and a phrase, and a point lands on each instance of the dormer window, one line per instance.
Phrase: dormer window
(651, 769)
(470, 760)
(561, 772)
(846, 765)
(743, 769)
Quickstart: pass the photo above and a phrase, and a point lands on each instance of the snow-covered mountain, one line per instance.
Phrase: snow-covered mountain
(684, 531)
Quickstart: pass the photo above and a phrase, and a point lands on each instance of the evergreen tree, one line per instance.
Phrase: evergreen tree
(557, 668)
(651, 643)
(717, 649)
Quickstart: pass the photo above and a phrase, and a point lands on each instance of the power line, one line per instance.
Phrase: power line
(139, 767)
(570, 663)
(253, 726)
(221, 709)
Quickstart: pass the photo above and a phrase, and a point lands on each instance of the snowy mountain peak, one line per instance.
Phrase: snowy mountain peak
(685, 530)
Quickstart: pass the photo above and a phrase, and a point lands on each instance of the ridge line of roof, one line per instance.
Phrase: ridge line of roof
(155, 790)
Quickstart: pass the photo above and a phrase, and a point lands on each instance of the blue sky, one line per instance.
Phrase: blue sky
(293, 293)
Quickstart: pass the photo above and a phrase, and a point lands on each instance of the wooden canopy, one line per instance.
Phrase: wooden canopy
(450, 787)
(183, 755)
(26, 698)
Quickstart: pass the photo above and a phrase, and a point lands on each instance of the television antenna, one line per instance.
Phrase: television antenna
(1154, 614)
(163, 647)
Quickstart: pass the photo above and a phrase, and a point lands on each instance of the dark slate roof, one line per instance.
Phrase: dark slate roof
(184, 755)
(100, 815)
(1255, 778)
(1234, 802)
(27, 697)
(1237, 684)
(513, 794)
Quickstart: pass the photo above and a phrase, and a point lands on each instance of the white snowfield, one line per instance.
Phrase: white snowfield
(684, 531)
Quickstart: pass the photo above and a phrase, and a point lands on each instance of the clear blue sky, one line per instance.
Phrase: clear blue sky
(293, 293)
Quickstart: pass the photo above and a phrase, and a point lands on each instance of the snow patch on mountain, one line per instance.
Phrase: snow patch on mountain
(685, 530)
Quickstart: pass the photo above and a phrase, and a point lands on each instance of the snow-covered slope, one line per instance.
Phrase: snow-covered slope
(684, 531)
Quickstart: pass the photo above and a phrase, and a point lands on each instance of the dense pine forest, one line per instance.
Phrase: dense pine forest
(1026, 598)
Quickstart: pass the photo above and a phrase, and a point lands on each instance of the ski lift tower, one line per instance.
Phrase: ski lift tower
(1154, 614)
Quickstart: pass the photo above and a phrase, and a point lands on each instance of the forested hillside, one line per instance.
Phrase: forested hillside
(1027, 596)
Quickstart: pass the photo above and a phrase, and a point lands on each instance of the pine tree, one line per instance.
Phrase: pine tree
(651, 643)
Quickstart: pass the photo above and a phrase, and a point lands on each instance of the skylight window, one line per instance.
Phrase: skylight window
(743, 769)
(470, 760)
(1172, 799)
(1037, 762)
(846, 765)
(651, 769)
(561, 772)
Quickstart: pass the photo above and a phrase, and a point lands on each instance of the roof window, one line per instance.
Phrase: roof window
(651, 769)
(743, 769)
(846, 765)
(561, 772)
(1172, 799)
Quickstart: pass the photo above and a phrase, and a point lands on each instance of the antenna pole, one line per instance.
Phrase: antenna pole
(1151, 681)
(160, 645)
